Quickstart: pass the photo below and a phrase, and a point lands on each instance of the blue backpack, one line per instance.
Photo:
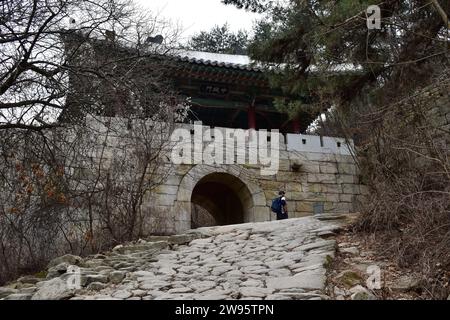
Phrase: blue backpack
(276, 205)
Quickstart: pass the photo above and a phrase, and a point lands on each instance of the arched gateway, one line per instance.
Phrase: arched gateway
(224, 193)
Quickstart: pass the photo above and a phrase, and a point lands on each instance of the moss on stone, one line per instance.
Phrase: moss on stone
(349, 278)
(41, 274)
(328, 262)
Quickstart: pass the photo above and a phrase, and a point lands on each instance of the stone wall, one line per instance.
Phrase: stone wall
(436, 102)
(419, 125)
(318, 175)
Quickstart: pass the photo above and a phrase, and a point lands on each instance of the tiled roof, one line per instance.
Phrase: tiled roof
(230, 61)
(241, 62)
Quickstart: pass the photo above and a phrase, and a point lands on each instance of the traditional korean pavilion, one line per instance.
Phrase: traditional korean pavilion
(224, 90)
(229, 91)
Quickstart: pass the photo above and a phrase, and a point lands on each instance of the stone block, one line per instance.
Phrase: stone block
(328, 168)
(343, 158)
(350, 188)
(182, 210)
(347, 168)
(329, 206)
(270, 195)
(310, 167)
(165, 189)
(346, 197)
(182, 169)
(173, 180)
(344, 207)
(317, 156)
(332, 188)
(259, 199)
(294, 187)
(346, 178)
(164, 199)
(285, 154)
(184, 194)
(295, 196)
(332, 197)
(271, 185)
(284, 165)
(316, 187)
(321, 178)
(283, 176)
(304, 206)
(261, 214)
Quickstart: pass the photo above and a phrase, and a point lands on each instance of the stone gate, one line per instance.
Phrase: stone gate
(318, 174)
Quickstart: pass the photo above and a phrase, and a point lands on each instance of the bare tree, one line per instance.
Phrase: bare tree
(37, 60)
(69, 183)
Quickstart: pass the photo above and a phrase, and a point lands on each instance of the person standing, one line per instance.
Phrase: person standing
(279, 206)
(284, 209)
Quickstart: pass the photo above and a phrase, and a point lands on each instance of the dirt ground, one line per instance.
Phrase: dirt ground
(357, 261)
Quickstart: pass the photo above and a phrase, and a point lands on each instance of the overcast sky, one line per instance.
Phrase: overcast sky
(199, 15)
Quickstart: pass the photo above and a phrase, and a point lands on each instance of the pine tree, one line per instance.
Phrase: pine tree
(220, 39)
(327, 51)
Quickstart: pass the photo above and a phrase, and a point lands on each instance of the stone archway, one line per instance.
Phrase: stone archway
(225, 197)
(249, 199)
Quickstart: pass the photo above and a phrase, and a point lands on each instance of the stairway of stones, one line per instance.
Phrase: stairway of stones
(281, 260)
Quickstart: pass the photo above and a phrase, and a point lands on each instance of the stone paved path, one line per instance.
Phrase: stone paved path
(268, 260)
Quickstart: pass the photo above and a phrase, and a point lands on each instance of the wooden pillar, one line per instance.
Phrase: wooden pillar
(296, 125)
(251, 116)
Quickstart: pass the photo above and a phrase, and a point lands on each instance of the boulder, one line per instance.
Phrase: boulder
(338, 291)
(98, 256)
(28, 290)
(118, 248)
(94, 263)
(54, 289)
(139, 293)
(351, 250)
(29, 280)
(361, 293)
(122, 294)
(5, 291)
(86, 279)
(57, 270)
(96, 286)
(116, 277)
(19, 296)
(68, 258)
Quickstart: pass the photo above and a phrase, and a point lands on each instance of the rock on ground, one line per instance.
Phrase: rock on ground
(54, 289)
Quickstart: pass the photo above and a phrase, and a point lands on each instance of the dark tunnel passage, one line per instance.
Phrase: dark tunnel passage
(220, 199)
